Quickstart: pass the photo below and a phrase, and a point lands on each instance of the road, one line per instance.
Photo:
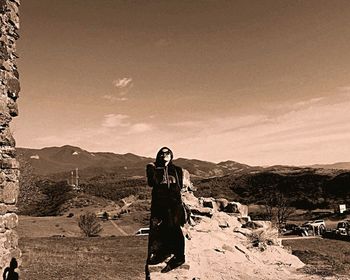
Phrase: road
(118, 228)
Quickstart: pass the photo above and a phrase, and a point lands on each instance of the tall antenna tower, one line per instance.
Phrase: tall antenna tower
(76, 178)
(71, 178)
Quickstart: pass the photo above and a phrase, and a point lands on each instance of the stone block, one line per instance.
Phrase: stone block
(2, 225)
(6, 138)
(13, 88)
(11, 239)
(14, 19)
(16, 1)
(9, 163)
(3, 103)
(10, 220)
(5, 208)
(5, 116)
(13, 108)
(14, 7)
(12, 174)
(2, 177)
(7, 152)
(6, 65)
(3, 6)
(15, 71)
(5, 119)
(10, 192)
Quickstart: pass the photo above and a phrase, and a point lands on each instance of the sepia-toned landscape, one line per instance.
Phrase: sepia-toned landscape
(246, 102)
(55, 197)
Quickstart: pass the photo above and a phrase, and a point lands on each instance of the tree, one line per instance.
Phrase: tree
(56, 194)
(89, 224)
(30, 195)
(276, 206)
(283, 210)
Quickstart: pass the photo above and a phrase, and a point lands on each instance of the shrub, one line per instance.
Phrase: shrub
(89, 224)
(54, 196)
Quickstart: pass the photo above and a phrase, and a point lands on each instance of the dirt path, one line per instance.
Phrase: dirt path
(123, 233)
(301, 237)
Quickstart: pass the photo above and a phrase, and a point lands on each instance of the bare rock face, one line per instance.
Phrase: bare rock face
(9, 92)
(218, 247)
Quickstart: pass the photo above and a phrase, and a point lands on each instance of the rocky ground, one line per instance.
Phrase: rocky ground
(218, 247)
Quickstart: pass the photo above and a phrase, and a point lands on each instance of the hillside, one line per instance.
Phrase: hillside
(115, 176)
(304, 188)
(337, 165)
(57, 163)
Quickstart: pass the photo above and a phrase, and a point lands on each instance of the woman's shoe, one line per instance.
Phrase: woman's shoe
(156, 259)
(173, 263)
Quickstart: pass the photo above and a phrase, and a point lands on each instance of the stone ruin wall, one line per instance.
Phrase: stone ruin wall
(9, 173)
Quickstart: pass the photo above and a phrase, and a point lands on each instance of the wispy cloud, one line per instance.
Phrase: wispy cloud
(115, 120)
(140, 128)
(307, 131)
(122, 83)
(122, 88)
(123, 121)
(315, 130)
(309, 102)
(115, 98)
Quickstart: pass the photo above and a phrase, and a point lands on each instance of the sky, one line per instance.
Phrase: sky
(258, 82)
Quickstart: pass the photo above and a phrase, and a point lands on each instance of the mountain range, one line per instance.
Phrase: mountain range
(115, 176)
(59, 162)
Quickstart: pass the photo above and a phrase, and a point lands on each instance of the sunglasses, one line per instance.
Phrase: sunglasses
(165, 152)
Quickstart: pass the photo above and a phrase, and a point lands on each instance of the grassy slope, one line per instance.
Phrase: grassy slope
(61, 225)
(99, 258)
(124, 257)
(325, 257)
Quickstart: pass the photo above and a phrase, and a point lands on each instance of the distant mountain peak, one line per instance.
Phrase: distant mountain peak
(61, 160)
(233, 164)
(70, 147)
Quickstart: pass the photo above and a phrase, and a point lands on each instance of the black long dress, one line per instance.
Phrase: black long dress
(167, 213)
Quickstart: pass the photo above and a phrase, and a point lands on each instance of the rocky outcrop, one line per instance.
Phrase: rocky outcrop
(9, 91)
(219, 247)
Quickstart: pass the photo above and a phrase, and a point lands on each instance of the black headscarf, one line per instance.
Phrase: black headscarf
(158, 158)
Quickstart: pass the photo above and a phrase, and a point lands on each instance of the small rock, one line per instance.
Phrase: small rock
(220, 250)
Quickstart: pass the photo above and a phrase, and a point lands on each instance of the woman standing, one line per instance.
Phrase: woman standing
(167, 212)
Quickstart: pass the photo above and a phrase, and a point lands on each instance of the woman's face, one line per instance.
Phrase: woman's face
(165, 155)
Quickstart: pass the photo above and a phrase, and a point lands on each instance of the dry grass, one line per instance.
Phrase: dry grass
(324, 257)
(100, 258)
(62, 225)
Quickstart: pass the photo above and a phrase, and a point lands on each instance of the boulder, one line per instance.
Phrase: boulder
(207, 202)
(236, 207)
(219, 248)
(221, 203)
